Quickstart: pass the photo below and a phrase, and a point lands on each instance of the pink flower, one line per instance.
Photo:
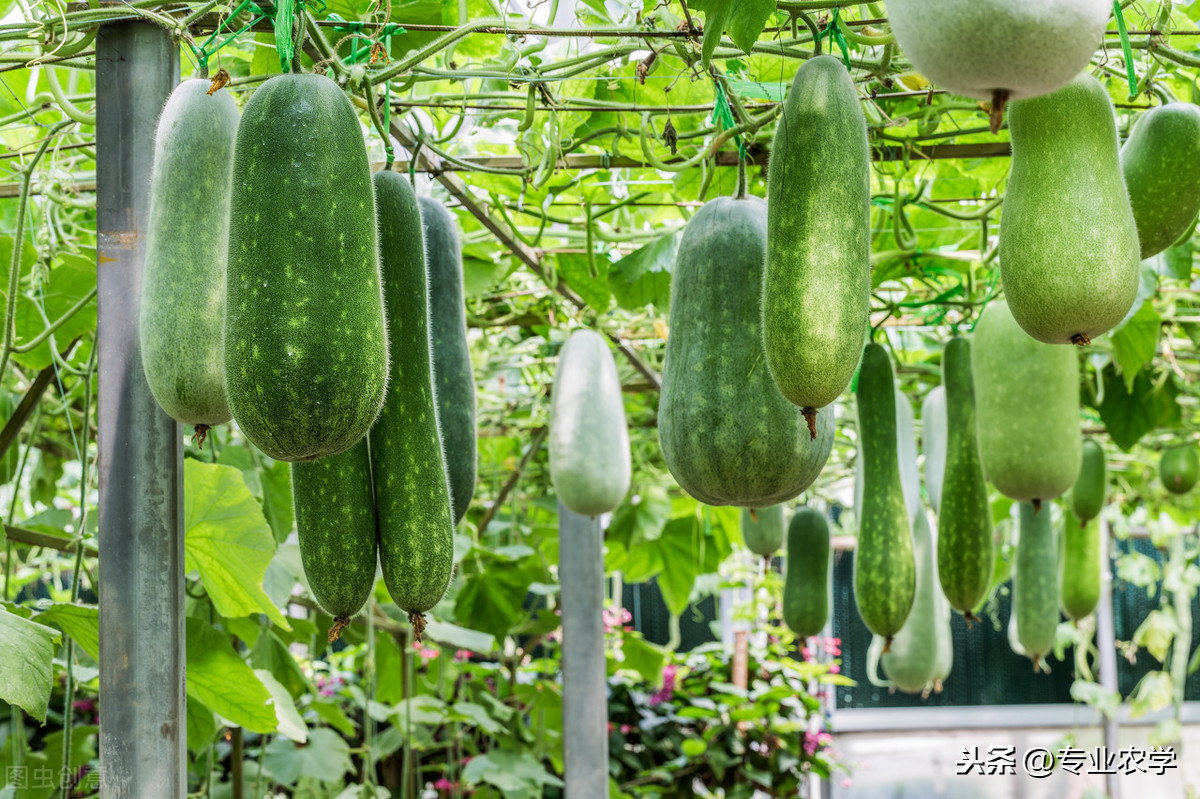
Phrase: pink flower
(814, 741)
(615, 618)
(427, 653)
(835, 669)
(626, 729)
(668, 686)
(462, 654)
(846, 782)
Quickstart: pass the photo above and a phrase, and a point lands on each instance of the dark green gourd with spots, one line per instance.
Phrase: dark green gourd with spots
(305, 342)
(1035, 582)
(335, 524)
(884, 566)
(806, 586)
(728, 436)
(965, 549)
(762, 529)
(817, 289)
(183, 286)
(412, 491)
(454, 379)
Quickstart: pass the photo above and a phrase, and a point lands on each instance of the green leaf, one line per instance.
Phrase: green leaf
(80, 622)
(491, 601)
(272, 655)
(1135, 342)
(644, 276)
(325, 758)
(201, 725)
(716, 12)
(220, 679)
(266, 59)
(757, 90)
(1130, 415)
(1154, 691)
(26, 652)
(477, 716)
(460, 637)
(227, 540)
(643, 657)
(1177, 261)
(278, 508)
(70, 281)
(514, 773)
(640, 517)
(1107, 702)
(331, 713)
(286, 716)
(747, 23)
(593, 288)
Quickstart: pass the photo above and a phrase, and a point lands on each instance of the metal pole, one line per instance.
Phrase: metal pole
(143, 714)
(1106, 642)
(585, 701)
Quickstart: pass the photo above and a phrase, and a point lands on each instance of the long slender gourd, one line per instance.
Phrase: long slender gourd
(728, 436)
(817, 283)
(884, 568)
(335, 525)
(183, 285)
(912, 660)
(806, 584)
(1087, 495)
(305, 342)
(1035, 582)
(1081, 567)
(454, 378)
(412, 490)
(966, 550)
(933, 443)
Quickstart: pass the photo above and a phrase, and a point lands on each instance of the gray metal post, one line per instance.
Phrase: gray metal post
(585, 701)
(143, 714)
(1106, 643)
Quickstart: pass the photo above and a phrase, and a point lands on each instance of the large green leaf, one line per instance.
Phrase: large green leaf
(1135, 342)
(80, 622)
(644, 276)
(26, 652)
(286, 715)
(201, 725)
(227, 540)
(70, 281)
(325, 758)
(278, 508)
(460, 637)
(271, 654)
(516, 774)
(491, 601)
(219, 679)
(1130, 415)
(593, 288)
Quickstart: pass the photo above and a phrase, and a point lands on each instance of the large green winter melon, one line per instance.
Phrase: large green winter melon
(1161, 163)
(884, 568)
(305, 342)
(817, 287)
(1019, 48)
(1069, 256)
(183, 285)
(933, 443)
(1027, 406)
(589, 441)
(728, 436)
(806, 583)
(965, 549)
(1035, 582)
(335, 525)
(453, 377)
(412, 491)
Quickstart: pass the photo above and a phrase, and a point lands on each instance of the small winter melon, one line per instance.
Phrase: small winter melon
(1179, 468)
(589, 440)
(762, 529)
(1161, 163)
(806, 583)
(183, 285)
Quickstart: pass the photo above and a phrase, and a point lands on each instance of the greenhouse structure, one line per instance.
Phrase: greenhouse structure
(599, 399)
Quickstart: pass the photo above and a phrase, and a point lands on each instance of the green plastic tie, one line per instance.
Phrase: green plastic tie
(283, 21)
(723, 117)
(836, 37)
(1126, 48)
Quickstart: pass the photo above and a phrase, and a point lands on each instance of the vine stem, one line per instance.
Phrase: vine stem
(14, 273)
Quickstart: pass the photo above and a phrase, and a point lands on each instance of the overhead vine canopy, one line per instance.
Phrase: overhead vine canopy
(574, 140)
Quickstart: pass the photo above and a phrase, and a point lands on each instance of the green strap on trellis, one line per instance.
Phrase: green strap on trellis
(207, 49)
(723, 117)
(836, 37)
(1126, 48)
